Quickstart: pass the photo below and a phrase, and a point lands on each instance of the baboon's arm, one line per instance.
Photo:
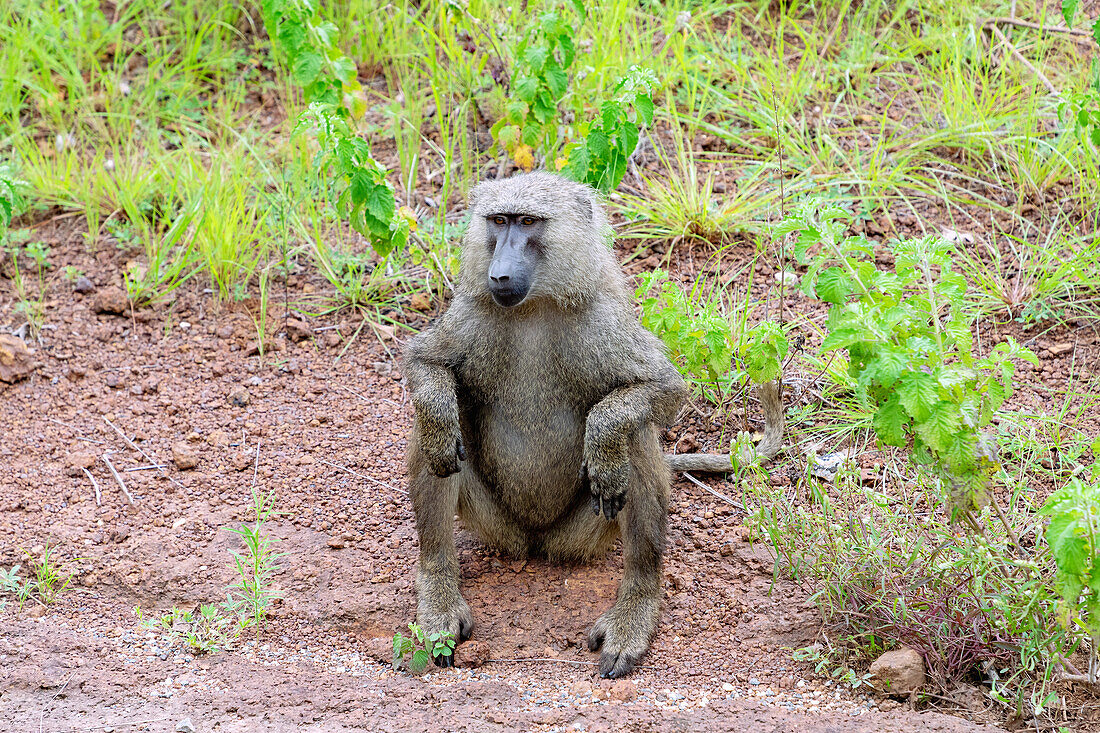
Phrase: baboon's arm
(612, 425)
(432, 390)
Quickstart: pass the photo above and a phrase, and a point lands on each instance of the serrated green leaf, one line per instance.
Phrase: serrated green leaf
(306, 67)
(890, 422)
(939, 427)
(842, 338)
(419, 661)
(834, 285)
(556, 79)
(917, 392)
(644, 105)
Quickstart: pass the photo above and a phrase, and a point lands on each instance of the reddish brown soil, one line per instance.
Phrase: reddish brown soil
(327, 434)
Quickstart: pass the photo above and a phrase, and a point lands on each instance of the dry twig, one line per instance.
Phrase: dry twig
(118, 477)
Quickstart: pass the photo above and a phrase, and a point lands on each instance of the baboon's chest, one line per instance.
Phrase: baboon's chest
(523, 415)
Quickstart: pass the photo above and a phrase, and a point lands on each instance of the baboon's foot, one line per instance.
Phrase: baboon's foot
(622, 636)
(444, 611)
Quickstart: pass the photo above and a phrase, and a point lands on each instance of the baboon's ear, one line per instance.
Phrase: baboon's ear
(584, 205)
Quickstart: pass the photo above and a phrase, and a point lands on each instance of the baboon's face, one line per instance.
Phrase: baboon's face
(516, 243)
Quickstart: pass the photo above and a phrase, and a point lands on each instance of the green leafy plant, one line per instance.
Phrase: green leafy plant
(540, 78)
(421, 648)
(1084, 107)
(363, 195)
(907, 334)
(212, 627)
(698, 336)
(11, 198)
(326, 75)
(252, 594)
(599, 157)
(49, 580)
(1074, 539)
(762, 351)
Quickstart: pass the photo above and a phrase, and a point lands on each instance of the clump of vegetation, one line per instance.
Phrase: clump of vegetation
(47, 580)
(421, 648)
(907, 334)
(217, 626)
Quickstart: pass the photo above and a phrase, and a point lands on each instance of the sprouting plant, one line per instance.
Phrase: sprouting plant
(421, 648)
(252, 594)
(907, 332)
(600, 154)
(49, 580)
(1074, 539)
(699, 338)
(72, 273)
(540, 79)
(212, 628)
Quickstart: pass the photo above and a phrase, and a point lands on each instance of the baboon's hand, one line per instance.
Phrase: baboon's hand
(443, 461)
(608, 486)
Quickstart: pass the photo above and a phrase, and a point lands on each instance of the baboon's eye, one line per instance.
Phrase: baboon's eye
(527, 221)
(499, 221)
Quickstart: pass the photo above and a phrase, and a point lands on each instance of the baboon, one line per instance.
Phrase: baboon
(538, 402)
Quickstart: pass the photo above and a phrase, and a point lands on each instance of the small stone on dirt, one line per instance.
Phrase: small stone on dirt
(420, 302)
(16, 360)
(239, 397)
(241, 460)
(111, 300)
(298, 330)
(623, 691)
(218, 439)
(84, 285)
(472, 654)
(899, 672)
(78, 460)
(185, 726)
(1059, 349)
(337, 543)
(114, 380)
(184, 456)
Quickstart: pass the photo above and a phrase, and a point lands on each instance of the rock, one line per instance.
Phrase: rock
(111, 300)
(184, 456)
(1059, 349)
(786, 277)
(472, 654)
(332, 339)
(241, 460)
(337, 543)
(113, 380)
(78, 460)
(185, 726)
(84, 285)
(298, 330)
(623, 691)
(420, 301)
(899, 672)
(218, 439)
(16, 360)
(239, 397)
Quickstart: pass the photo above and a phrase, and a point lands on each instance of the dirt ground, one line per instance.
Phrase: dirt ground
(327, 434)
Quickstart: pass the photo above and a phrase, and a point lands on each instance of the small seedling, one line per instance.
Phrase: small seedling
(421, 648)
(252, 594)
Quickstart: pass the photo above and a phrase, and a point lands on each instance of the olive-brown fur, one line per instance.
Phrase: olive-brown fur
(526, 417)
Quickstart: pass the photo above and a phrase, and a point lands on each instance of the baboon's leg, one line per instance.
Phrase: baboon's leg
(624, 632)
(439, 606)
